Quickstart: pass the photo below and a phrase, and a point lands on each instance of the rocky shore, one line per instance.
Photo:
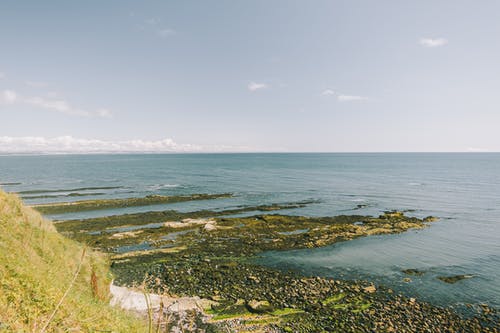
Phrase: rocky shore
(211, 255)
(295, 303)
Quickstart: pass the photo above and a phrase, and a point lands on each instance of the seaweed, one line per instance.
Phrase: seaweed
(86, 205)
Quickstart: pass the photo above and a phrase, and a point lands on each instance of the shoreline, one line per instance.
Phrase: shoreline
(198, 273)
(208, 255)
(308, 303)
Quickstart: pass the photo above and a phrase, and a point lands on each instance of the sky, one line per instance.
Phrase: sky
(249, 76)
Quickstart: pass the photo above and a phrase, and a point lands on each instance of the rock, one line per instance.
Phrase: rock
(485, 308)
(210, 227)
(431, 219)
(412, 271)
(229, 264)
(392, 215)
(455, 278)
(370, 289)
(259, 306)
(407, 280)
(254, 278)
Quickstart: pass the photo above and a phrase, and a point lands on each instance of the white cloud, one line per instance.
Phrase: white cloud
(61, 106)
(477, 150)
(350, 98)
(69, 144)
(433, 42)
(52, 94)
(254, 86)
(8, 97)
(166, 32)
(328, 92)
(36, 84)
(105, 113)
(52, 104)
(63, 144)
(152, 21)
(342, 97)
(155, 26)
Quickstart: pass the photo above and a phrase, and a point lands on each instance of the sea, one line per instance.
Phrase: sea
(462, 189)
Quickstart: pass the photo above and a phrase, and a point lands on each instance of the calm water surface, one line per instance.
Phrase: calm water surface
(462, 189)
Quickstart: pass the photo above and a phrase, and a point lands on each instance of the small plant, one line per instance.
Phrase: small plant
(93, 283)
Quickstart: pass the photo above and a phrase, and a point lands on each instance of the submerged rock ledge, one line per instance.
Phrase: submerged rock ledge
(86, 205)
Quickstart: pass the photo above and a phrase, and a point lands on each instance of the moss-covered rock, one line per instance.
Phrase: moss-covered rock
(256, 306)
(413, 271)
(85, 205)
(455, 278)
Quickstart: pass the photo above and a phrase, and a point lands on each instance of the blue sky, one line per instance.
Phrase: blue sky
(250, 76)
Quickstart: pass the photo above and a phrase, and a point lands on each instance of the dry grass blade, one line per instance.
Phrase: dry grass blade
(44, 328)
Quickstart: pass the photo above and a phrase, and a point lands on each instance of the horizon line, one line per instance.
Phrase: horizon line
(235, 152)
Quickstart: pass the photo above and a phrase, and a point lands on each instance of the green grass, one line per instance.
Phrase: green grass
(37, 267)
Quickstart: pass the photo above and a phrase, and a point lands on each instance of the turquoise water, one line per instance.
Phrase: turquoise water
(462, 189)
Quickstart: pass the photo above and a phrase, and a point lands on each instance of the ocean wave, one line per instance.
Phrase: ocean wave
(69, 190)
(157, 187)
(10, 184)
(72, 194)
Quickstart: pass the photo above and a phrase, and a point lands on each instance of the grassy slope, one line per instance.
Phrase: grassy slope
(37, 266)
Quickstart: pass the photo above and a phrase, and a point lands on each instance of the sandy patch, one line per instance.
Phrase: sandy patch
(185, 223)
(126, 234)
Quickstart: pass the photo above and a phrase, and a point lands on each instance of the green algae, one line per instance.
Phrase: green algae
(239, 310)
(106, 222)
(228, 310)
(334, 299)
(85, 205)
(212, 234)
(286, 312)
(363, 306)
